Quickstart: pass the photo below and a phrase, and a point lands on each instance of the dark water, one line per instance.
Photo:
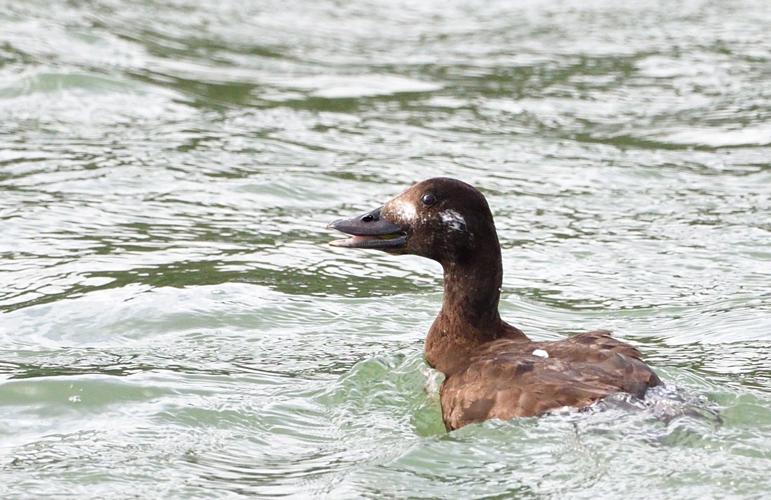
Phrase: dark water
(172, 323)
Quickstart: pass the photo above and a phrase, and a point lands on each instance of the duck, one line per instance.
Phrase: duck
(492, 370)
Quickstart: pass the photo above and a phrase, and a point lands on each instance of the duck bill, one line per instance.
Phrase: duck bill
(369, 230)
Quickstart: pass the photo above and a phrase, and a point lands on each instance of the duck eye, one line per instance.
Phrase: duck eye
(428, 199)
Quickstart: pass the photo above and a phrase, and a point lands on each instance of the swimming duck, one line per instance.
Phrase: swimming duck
(492, 369)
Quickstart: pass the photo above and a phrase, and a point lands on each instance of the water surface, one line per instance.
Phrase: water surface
(173, 324)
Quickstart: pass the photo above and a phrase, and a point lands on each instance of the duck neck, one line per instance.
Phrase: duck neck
(471, 294)
(469, 316)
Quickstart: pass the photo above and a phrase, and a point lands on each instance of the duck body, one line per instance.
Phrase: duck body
(510, 378)
(492, 369)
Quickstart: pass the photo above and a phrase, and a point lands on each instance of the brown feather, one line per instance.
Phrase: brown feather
(503, 378)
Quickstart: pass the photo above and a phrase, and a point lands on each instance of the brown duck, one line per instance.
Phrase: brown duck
(492, 370)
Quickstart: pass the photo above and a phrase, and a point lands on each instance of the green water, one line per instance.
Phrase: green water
(173, 324)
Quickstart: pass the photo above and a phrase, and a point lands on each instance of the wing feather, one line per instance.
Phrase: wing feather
(505, 380)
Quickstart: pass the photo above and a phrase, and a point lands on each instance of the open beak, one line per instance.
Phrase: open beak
(369, 231)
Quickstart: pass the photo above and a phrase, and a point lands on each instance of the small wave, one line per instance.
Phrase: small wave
(665, 403)
(353, 86)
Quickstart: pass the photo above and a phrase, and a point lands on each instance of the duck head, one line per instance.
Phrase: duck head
(441, 218)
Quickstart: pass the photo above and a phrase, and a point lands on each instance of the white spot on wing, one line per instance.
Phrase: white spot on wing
(453, 220)
(540, 353)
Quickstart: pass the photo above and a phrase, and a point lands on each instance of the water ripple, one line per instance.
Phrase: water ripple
(172, 322)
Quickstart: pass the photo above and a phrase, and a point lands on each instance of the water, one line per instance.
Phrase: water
(173, 324)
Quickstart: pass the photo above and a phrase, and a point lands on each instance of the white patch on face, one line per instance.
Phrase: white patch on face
(540, 353)
(453, 220)
(405, 210)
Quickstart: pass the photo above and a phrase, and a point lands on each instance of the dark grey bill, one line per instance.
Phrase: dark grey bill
(369, 231)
